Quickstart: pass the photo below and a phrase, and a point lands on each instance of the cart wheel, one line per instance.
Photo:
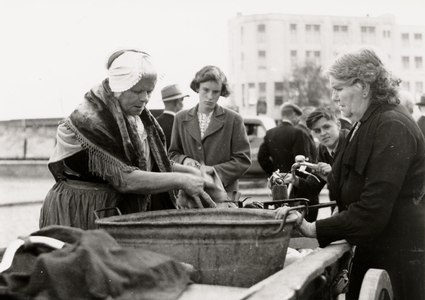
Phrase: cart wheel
(376, 285)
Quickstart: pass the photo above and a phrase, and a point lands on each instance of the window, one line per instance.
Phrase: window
(406, 85)
(405, 39)
(406, 62)
(278, 93)
(252, 95)
(419, 87)
(261, 27)
(417, 39)
(368, 34)
(313, 56)
(293, 34)
(312, 33)
(386, 33)
(241, 35)
(243, 95)
(294, 59)
(418, 62)
(340, 33)
(262, 63)
(262, 91)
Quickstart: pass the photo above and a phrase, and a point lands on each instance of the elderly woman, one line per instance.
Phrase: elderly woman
(377, 178)
(111, 152)
(209, 136)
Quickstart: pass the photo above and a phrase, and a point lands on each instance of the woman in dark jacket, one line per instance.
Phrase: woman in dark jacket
(377, 178)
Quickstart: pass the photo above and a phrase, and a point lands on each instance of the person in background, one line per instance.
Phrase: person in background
(173, 97)
(407, 100)
(377, 178)
(302, 124)
(282, 143)
(110, 152)
(345, 122)
(421, 119)
(211, 137)
(326, 127)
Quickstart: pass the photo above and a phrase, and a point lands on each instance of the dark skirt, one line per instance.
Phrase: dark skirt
(73, 203)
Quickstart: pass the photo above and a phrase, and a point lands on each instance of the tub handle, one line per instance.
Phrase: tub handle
(107, 208)
(268, 233)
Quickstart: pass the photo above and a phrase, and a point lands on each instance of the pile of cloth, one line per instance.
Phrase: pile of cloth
(90, 265)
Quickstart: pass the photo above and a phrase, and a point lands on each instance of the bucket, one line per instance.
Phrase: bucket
(232, 247)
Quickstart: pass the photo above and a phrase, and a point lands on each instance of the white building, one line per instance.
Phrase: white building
(264, 48)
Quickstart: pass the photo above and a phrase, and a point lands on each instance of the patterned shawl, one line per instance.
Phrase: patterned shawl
(113, 144)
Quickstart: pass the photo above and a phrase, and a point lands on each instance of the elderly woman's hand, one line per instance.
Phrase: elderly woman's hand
(194, 186)
(207, 169)
(190, 162)
(307, 229)
(323, 169)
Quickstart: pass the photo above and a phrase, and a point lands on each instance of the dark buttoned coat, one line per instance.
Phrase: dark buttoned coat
(281, 145)
(166, 121)
(225, 145)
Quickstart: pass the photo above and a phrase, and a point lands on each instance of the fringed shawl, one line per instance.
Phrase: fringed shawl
(112, 141)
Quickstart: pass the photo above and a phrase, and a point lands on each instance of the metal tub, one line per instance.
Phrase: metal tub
(231, 247)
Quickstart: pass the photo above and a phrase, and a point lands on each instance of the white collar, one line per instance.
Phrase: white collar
(169, 112)
(332, 150)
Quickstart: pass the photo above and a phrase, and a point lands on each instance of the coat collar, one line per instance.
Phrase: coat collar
(216, 123)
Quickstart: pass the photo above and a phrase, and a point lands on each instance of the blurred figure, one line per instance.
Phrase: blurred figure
(210, 137)
(407, 100)
(302, 124)
(421, 119)
(172, 97)
(284, 142)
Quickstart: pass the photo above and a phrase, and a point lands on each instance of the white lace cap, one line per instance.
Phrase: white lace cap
(126, 70)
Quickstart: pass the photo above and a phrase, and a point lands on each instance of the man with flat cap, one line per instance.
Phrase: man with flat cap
(284, 142)
(172, 97)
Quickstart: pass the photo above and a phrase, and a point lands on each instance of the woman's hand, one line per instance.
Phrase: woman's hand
(323, 170)
(207, 169)
(190, 162)
(307, 229)
(193, 186)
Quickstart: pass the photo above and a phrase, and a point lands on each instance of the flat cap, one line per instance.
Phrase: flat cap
(291, 107)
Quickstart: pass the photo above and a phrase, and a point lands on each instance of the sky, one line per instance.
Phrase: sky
(54, 51)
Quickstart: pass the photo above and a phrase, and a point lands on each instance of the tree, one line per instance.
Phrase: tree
(307, 86)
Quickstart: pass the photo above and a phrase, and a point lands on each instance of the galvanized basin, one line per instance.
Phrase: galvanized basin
(233, 247)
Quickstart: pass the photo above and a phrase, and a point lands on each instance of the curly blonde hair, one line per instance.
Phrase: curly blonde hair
(365, 66)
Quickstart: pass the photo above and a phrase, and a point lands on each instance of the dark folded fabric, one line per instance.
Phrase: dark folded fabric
(92, 265)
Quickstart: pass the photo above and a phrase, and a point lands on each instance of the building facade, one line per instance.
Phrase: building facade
(263, 49)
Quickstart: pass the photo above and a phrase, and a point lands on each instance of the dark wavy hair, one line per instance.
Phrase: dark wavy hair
(211, 73)
(318, 113)
(365, 66)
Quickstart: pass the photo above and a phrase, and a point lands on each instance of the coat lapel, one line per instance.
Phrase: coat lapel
(192, 125)
(217, 121)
